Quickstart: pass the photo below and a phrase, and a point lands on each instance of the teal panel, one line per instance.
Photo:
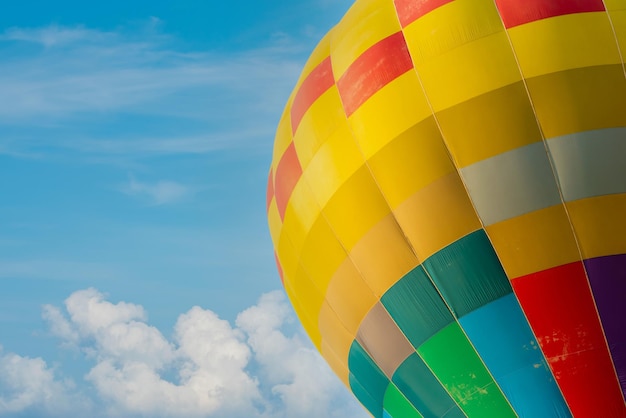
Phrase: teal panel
(417, 308)
(468, 273)
(367, 381)
(418, 384)
(364, 397)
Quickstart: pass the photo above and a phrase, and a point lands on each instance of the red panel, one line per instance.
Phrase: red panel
(288, 173)
(518, 12)
(561, 311)
(270, 190)
(313, 86)
(382, 63)
(411, 10)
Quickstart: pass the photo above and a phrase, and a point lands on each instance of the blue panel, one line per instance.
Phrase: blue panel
(386, 414)
(501, 335)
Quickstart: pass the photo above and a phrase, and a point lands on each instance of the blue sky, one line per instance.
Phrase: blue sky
(136, 269)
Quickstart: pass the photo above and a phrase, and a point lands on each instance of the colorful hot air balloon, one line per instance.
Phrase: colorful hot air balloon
(447, 202)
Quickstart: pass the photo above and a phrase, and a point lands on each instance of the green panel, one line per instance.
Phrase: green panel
(468, 273)
(420, 387)
(397, 405)
(454, 361)
(370, 379)
(417, 308)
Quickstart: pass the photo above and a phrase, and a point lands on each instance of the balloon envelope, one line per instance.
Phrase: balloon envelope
(447, 202)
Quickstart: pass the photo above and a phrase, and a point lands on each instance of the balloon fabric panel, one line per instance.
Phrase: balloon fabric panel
(446, 203)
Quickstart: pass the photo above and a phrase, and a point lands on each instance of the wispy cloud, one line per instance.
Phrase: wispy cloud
(158, 193)
(253, 369)
(83, 79)
(53, 35)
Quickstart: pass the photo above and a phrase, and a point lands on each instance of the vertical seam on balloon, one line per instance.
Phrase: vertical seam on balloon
(408, 244)
(621, 56)
(436, 120)
(416, 352)
(345, 250)
(619, 47)
(619, 51)
(406, 240)
(532, 106)
(567, 214)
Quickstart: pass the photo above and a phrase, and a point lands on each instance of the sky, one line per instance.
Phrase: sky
(136, 270)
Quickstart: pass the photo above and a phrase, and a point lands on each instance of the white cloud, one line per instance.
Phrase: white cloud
(294, 372)
(28, 384)
(210, 368)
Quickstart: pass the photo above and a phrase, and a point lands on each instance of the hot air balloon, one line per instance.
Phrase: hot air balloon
(447, 204)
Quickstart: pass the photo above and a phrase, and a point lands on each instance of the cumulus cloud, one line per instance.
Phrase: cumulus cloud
(209, 368)
(30, 385)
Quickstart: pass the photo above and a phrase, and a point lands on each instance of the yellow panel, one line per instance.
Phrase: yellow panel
(339, 366)
(490, 124)
(366, 23)
(469, 71)
(311, 327)
(618, 18)
(550, 45)
(437, 215)
(288, 257)
(615, 4)
(308, 294)
(534, 242)
(600, 224)
(301, 213)
(383, 256)
(274, 222)
(450, 26)
(283, 135)
(350, 296)
(460, 51)
(356, 207)
(579, 100)
(410, 161)
(322, 254)
(334, 333)
(323, 119)
(389, 112)
(333, 165)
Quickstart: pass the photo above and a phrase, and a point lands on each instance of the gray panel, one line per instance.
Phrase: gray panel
(382, 339)
(511, 184)
(591, 163)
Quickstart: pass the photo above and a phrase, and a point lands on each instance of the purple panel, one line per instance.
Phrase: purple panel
(607, 276)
